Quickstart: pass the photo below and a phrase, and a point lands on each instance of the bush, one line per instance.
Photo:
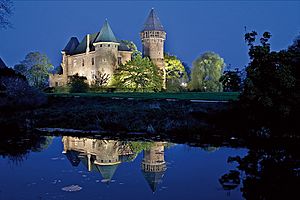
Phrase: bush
(16, 92)
(78, 84)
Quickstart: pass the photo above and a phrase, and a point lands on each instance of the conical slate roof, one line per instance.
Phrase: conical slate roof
(107, 171)
(153, 179)
(153, 23)
(106, 34)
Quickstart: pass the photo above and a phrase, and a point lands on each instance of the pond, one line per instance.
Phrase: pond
(69, 167)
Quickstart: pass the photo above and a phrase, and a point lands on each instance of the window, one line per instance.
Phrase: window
(100, 45)
(119, 60)
(74, 62)
(56, 84)
(82, 62)
(109, 45)
(93, 61)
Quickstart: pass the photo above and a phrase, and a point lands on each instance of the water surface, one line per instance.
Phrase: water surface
(86, 168)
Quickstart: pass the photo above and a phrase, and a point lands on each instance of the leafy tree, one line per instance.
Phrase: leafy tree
(231, 81)
(272, 83)
(6, 7)
(36, 67)
(175, 72)
(138, 74)
(78, 84)
(206, 72)
(132, 46)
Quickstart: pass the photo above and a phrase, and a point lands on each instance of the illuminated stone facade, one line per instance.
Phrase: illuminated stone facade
(103, 53)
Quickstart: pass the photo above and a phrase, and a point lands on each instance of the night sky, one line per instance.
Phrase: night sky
(192, 27)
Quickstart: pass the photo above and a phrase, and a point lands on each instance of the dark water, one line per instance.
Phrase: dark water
(83, 168)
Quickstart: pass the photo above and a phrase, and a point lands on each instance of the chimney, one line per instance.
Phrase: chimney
(87, 43)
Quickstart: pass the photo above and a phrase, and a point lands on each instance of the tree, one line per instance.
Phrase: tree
(78, 84)
(175, 73)
(231, 80)
(138, 74)
(272, 82)
(15, 91)
(132, 46)
(6, 7)
(206, 72)
(36, 67)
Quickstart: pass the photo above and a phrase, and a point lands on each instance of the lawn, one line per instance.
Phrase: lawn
(220, 96)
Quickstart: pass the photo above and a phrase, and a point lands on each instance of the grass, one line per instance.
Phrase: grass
(220, 96)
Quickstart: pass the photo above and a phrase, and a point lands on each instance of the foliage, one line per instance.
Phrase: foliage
(78, 84)
(206, 73)
(139, 74)
(231, 81)
(272, 84)
(175, 73)
(132, 47)
(269, 173)
(36, 67)
(137, 146)
(6, 10)
(16, 93)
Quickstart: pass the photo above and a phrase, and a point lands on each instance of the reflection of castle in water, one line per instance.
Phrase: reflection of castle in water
(104, 156)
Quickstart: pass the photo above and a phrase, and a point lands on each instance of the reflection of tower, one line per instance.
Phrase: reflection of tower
(154, 165)
(102, 156)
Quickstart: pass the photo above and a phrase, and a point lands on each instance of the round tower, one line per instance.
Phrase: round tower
(153, 37)
(106, 50)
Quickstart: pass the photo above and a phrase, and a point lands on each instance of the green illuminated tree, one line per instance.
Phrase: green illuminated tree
(132, 46)
(175, 72)
(138, 74)
(206, 73)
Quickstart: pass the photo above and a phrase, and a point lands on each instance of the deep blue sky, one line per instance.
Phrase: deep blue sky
(192, 27)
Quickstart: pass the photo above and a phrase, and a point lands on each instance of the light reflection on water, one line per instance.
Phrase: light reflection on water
(86, 168)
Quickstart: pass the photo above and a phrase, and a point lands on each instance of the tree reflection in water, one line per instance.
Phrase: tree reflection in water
(269, 173)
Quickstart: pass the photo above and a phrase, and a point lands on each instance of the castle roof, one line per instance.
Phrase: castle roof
(153, 179)
(106, 34)
(153, 23)
(71, 46)
(107, 171)
(2, 64)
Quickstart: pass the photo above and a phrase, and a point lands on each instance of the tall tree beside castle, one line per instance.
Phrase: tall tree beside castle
(36, 68)
(206, 73)
(103, 52)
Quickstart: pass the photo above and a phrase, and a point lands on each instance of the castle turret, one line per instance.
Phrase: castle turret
(153, 37)
(106, 50)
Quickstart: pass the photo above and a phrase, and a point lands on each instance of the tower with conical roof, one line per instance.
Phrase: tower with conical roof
(153, 37)
(106, 50)
(154, 165)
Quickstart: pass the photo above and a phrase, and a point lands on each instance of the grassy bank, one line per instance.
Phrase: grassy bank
(219, 96)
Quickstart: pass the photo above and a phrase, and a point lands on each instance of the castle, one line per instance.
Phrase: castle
(102, 52)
